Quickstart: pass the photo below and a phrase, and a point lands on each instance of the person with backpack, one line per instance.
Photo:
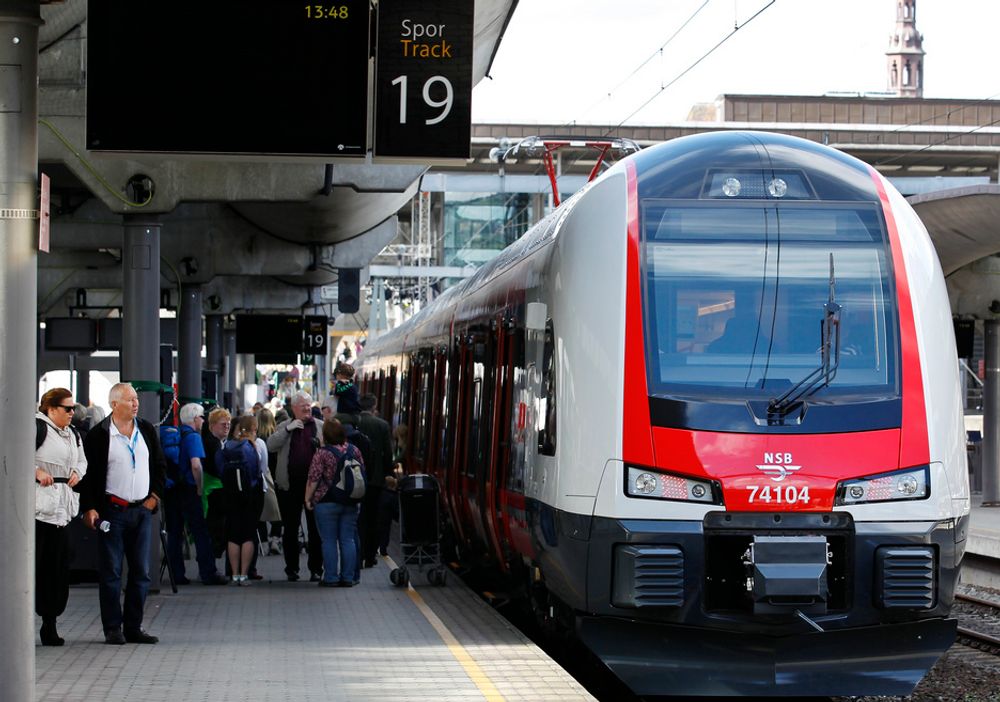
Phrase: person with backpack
(334, 490)
(185, 454)
(243, 460)
(60, 463)
(295, 441)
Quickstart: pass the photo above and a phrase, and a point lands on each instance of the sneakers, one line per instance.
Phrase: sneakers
(240, 580)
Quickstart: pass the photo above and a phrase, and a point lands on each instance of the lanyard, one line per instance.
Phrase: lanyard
(131, 444)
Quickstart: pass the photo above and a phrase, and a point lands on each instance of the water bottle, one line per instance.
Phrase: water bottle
(104, 525)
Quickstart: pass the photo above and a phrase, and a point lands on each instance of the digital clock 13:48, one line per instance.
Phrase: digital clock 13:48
(326, 12)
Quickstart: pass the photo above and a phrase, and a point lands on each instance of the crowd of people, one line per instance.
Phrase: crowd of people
(237, 490)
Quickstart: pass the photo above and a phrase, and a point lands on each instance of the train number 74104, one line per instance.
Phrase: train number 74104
(779, 494)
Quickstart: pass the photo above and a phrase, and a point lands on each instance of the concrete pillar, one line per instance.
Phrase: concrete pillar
(19, 21)
(991, 414)
(189, 344)
(141, 308)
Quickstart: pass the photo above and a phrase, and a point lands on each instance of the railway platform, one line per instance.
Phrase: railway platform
(278, 640)
(984, 529)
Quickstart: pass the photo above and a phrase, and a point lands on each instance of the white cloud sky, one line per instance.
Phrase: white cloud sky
(560, 59)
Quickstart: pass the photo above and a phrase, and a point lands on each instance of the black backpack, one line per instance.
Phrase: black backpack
(240, 469)
(42, 429)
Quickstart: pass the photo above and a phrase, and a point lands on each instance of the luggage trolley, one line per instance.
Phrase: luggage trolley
(419, 530)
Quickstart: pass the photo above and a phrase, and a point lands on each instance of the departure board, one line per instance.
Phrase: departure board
(228, 77)
(423, 79)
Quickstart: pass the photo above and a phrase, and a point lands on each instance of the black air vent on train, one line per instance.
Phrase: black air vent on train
(906, 577)
(648, 576)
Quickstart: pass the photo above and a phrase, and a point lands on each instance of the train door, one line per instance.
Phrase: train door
(438, 415)
(478, 430)
(456, 453)
(423, 387)
(500, 443)
(517, 435)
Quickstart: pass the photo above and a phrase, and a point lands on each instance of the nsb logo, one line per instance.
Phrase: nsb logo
(777, 465)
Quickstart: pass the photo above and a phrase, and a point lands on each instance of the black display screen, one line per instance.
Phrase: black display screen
(228, 76)
(423, 81)
(70, 334)
(268, 334)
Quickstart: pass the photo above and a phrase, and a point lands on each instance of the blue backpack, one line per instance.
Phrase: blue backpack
(170, 442)
(240, 466)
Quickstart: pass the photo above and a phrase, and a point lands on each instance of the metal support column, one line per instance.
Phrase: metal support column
(991, 414)
(321, 384)
(215, 351)
(189, 344)
(141, 308)
(83, 384)
(140, 354)
(376, 311)
(247, 376)
(19, 21)
(229, 386)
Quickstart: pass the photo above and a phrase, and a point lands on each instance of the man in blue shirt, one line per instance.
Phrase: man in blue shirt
(183, 503)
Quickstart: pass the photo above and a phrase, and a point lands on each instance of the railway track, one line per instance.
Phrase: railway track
(971, 637)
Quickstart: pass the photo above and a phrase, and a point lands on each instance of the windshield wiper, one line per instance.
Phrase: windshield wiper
(822, 376)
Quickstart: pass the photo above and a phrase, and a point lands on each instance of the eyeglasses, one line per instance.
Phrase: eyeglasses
(67, 408)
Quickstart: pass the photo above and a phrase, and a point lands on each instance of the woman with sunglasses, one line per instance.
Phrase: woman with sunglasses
(59, 466)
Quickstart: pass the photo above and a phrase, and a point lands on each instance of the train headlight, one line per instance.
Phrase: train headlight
(657, 484)
(908, 484)
(645, 484)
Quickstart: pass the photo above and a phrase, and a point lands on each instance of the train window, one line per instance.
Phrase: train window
(475, 422)
(735, 299)
(449, 387)
(423, 409)
(518, 425)
(547, 400)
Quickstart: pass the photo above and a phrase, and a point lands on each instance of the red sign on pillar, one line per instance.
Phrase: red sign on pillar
(43, 215)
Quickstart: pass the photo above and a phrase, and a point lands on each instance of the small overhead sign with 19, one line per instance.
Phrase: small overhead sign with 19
(423, 79)
(314, 335)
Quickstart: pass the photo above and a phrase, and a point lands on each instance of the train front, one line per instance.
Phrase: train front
(794, 473)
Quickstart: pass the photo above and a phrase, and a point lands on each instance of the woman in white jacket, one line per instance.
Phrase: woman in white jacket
(59, 465)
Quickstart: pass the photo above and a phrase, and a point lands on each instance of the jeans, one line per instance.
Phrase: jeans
(127, 539)
(183, 504)
(338, 527)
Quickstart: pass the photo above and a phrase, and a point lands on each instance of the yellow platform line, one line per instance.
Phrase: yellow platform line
(472, 669)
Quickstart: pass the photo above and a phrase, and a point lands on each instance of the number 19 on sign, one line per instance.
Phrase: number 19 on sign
(445, 104)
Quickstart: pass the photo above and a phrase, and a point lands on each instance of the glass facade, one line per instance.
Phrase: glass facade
(477, 226)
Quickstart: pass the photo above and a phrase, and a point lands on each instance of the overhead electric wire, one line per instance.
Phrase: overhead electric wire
(947, 113)
(704, 56)
(887, 161)
(643, 64)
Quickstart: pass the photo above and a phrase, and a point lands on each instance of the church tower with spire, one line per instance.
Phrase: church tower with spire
(905, 57)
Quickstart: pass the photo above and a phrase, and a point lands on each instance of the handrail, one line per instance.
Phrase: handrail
(975, 376)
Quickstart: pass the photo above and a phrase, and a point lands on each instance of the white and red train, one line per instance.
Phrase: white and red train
(707, 413)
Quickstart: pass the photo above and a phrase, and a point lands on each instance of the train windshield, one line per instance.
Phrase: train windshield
(735, 299)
